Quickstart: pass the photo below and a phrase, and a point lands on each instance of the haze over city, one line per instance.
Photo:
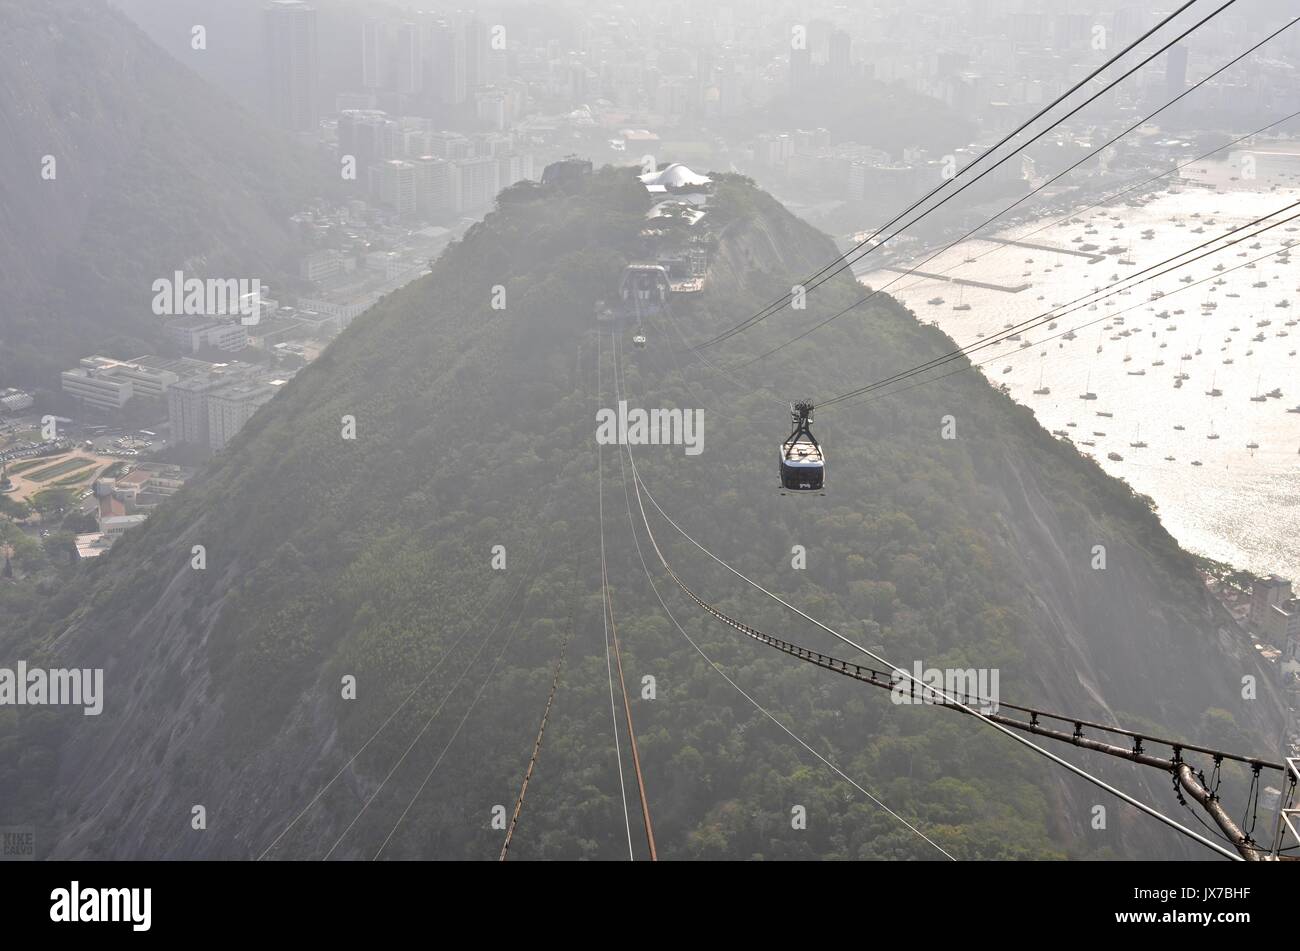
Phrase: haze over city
(729, 431)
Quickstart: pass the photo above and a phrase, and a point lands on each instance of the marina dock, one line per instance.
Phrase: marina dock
(1092, 256)
(967, 282)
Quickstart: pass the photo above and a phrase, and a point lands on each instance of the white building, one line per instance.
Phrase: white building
(106, 384)
(437, 186)
(230, 407)
(320, 266)
(675, 177)
(234, 390)
(1282, 622)
(480, 180)
(514, 167)
(15, 401)
(92, 545)
(392, 183)
(114, 525)
(193, 333)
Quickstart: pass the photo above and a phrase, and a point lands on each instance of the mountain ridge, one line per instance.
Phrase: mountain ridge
(369, 557)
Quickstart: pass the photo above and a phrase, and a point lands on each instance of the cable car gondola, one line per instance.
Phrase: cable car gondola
(803, 464)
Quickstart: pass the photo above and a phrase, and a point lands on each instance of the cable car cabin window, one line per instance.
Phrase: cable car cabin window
(802, 466)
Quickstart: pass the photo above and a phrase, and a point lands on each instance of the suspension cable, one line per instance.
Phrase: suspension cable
(1085, 300)
(1084, 774)
(631, 737)
(1105, 200)
(433, 716)
(627, 704)
(546, 713)
(848, 258)
(604, 596)
(1136, 754)
(1022, 199)
(482, 608)
(1004, 356)
(487, 678)
(763, 710)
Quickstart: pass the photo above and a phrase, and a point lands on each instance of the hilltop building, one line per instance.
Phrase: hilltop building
(674, 178)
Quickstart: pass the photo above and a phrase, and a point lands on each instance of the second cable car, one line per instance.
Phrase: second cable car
(803, 463)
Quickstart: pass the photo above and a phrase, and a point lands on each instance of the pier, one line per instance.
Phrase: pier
(1092, 256)
(965, 281)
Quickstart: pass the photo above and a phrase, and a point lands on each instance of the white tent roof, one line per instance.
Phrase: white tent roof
(676, 175)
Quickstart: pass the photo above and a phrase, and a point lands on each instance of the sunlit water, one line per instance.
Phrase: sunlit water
(1240, 505)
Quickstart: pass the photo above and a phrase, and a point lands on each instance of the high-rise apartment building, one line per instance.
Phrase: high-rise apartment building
(409, 60)
(437, 186)
(393, 184)
(372, 54)
(367, 135)
(292, 64)
(447, 64)
(1176, 71)
(480, 180)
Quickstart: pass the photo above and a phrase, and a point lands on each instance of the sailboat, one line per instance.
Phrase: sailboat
(1087, 394)
(1137, 442)
(1042, 390)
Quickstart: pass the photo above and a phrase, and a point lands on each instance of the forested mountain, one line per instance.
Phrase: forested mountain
(120, 166)
(328, 557)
